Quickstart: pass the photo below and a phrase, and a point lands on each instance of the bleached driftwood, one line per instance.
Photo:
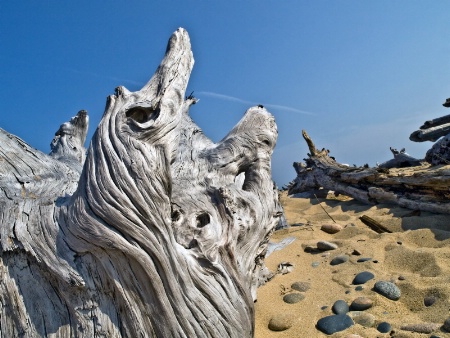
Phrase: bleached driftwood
(433, 130)
(418, 188)
(401, 160)
(162, 234)
(439, 153)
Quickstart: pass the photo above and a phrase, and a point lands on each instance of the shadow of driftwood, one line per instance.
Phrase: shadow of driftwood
(395, 218)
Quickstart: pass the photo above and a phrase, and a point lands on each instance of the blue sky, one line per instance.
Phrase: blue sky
(359, 76)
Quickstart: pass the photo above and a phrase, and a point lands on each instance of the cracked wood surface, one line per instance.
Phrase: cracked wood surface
(159, 233)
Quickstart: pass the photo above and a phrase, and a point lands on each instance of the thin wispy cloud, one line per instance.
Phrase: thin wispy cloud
(276, 107)
(119, 80)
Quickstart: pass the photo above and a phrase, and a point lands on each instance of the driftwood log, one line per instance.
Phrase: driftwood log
(159, 232)
(423, 187)
(432, 130)
(401, 160)
(436, 130)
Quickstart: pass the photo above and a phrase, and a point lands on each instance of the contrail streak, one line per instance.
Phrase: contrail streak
(268, 105)
(103, 76)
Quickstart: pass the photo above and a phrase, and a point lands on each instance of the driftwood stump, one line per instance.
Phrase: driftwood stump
(159, 233)
(421, 187)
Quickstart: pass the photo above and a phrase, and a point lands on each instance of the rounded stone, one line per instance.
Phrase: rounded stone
(384, 327)
(447, 324)
(301, 286)
(339, 259)
(429, 300)
(363, 259)
(361, 304)
(388, 290)
(324, 245)
(281, 322)
(331, 228)
(292, 298)
(334, 323)
(363, 277)
(421, 327)
(340, 307)
(359, 288)
(362, 318)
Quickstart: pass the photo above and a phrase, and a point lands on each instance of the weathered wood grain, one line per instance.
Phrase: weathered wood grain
(422, 187)
(162, 233)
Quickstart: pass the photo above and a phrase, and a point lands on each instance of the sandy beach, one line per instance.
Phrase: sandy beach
(415, 257)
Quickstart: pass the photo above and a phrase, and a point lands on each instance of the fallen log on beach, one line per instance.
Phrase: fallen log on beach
(424, 187)
(158, 232)
(434, 130)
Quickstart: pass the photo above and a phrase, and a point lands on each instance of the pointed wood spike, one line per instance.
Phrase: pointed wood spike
(171, 77)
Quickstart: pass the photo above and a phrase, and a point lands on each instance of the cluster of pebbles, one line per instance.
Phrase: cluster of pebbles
(345, 314)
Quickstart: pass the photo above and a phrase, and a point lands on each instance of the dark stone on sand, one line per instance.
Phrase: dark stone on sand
(447, 324)
(401, 277)
(311, 249)
(301, 286)
(363, 277)
(292, 298)
(361, 304)
(334, 323)
(324, 245)
(388, 290)
(428, 301)
(340, 307)
(384, 327)
(339, 259)
(364, 259)
(359, 288)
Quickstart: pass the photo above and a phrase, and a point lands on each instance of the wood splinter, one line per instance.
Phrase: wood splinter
(374, 225)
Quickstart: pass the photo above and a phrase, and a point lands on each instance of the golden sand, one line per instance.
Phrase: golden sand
(417, 251)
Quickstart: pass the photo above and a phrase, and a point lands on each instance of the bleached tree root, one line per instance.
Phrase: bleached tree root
(422, 187)
(162, 234)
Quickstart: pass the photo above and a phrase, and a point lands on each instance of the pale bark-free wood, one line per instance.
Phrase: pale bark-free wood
(162, 234)
(419, 188)
(401, 160)
(436, 130)
(430, 133)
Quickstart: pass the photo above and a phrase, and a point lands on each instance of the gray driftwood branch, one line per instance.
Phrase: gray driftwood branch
(434, 130)
(162, 233)
(422, 187)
